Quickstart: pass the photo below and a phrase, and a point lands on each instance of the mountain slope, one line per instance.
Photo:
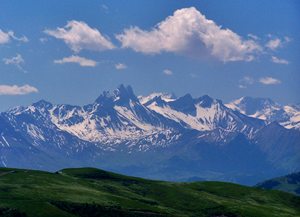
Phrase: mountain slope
(91, 192)
(289, 183)
(281, 145)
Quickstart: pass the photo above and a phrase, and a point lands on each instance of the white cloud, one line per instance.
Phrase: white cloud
(6, 37)
(276, 43)
(188, 31)
(269, 81)
(245, 82)
(120, 66)
(168, 72)
(17, 61)
(273, 44)
(78, 36)
(279, 61)
(77, 59)
(17, 90)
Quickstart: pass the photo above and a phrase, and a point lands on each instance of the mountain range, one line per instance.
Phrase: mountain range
(159, 136)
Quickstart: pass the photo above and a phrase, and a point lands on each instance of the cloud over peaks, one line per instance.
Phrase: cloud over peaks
(77, 59)
(189, 31)
(17, 90)
(78, 36)
(269, 81)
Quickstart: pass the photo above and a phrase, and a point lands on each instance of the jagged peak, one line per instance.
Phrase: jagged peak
(184, 104)
(42, 104)
(205, 101)
(185, 98)
(121, 95)
(124, 93)
(105, 98)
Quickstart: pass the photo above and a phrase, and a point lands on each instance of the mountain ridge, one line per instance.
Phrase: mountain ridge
(148, 139)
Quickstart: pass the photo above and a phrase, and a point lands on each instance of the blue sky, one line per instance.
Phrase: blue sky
(70, 51)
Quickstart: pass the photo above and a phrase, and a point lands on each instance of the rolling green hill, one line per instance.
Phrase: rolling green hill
(289, 183)
(89, 192)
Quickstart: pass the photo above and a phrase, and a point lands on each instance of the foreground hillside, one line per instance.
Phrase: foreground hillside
(289, 183)
(89, 192)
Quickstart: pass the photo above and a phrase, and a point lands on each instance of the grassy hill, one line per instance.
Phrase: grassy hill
(289, 183)
(89, 192)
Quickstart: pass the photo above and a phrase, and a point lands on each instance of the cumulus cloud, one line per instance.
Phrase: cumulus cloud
(6, 37)
(77, 59)
(168, 72)
(120, 66)
(245, 82)
(17, 90)
(78, 36)
(189, 31)
(17, 61)
(279, 61)
(269, 81)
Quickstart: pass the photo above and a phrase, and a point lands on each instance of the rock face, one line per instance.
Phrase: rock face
(157, 136)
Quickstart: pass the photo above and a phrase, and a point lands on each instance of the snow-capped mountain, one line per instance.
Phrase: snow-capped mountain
(266, 109)
(115, 118)
(205, 114)
(156, 136)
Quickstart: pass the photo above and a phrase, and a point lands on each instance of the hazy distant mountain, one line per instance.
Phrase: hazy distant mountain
(265, 109)
(289, 183)
(158, 136)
